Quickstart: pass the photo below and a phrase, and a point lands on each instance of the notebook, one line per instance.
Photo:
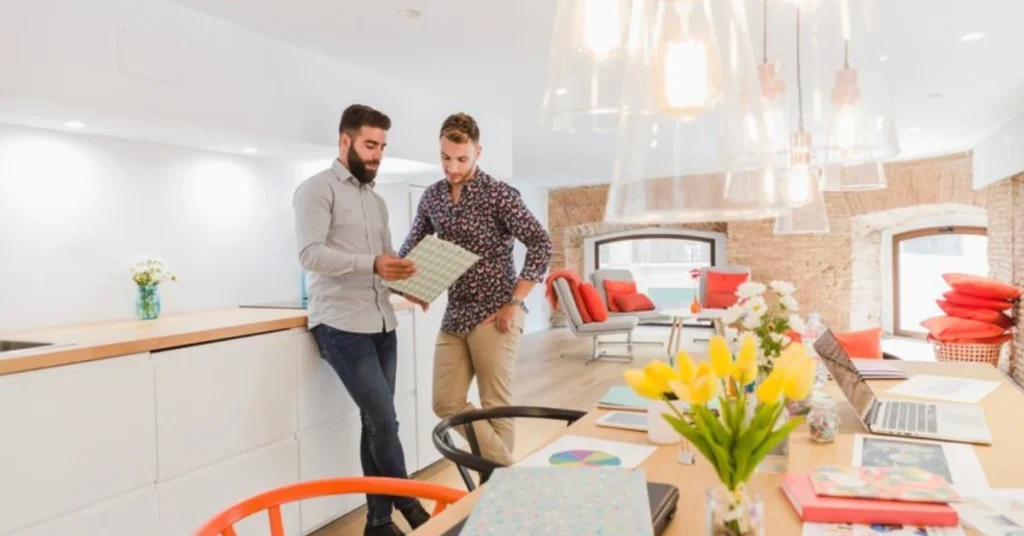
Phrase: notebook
(911, 484)
(878, 369)
(438, 265)
(584, 501)
(818, 508)
(622, 397)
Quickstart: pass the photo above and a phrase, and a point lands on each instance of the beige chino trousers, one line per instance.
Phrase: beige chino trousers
(489, 355)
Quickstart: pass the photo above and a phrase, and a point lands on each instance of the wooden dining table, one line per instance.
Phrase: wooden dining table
(1002, 461)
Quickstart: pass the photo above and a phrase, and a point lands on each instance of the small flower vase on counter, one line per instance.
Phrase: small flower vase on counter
(734, 513)
(148, 273)
(147, 302)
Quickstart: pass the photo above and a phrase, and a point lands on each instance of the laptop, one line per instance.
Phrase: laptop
(664, 499)
(943, 421)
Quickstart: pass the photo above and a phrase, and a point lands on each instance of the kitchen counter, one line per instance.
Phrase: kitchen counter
(102, 340)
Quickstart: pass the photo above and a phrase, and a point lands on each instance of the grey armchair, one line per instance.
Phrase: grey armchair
(619, 325)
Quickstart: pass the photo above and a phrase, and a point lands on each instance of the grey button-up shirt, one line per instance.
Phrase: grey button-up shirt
(341, 226)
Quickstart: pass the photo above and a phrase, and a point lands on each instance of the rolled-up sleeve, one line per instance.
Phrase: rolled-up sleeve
(523, 225)
(312, 203)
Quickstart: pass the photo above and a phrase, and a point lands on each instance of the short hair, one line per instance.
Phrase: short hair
(460, 128)
(358, 116)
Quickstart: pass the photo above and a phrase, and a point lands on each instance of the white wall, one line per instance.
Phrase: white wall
(76, 210)
(156, 70)
(1001, 155)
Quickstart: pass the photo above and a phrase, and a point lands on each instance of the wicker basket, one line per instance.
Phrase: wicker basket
(968, 353)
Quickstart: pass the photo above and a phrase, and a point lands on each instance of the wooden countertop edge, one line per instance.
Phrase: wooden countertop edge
(72, 355)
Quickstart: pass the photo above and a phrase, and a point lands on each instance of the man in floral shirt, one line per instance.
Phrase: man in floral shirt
(484, 320)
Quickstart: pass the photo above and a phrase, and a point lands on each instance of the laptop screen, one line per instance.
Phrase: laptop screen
(861, 396)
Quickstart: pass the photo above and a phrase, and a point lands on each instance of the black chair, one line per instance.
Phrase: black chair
(473, 459)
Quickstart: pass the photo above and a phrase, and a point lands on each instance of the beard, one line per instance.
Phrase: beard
(358, 169)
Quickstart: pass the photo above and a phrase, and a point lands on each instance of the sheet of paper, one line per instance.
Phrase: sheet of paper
(946, 388)
(956, 462)
(998, 512)
(846, 529)
(438, 264)
(577, 451)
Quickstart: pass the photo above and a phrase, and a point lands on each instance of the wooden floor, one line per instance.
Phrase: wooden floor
(542, 378)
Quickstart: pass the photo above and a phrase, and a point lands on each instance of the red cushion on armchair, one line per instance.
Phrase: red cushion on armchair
(720, 289)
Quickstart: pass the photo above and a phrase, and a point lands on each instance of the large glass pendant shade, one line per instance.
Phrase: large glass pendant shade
(692, 120)
(586, 65)
(812, 218)
(856, 178)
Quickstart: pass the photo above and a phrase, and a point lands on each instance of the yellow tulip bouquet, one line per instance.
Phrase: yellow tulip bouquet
(743, 432)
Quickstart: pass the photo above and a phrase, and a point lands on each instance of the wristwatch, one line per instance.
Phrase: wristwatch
(515, 301)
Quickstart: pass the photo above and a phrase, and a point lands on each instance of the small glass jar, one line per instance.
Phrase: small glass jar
(823, 419)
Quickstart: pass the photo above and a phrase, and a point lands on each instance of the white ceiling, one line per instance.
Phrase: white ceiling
(492, 55)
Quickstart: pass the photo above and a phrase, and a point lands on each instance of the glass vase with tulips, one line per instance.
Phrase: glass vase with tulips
(739, 435)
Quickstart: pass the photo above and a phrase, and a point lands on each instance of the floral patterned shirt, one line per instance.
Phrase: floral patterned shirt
(489, 216)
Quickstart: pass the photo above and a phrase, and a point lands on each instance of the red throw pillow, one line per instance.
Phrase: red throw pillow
(720, 289)
(982, 287)
(949, 328)
(614, 288)
(633, 303)
(592, 301)
(966, 300)
(973, 313)
(862, 344)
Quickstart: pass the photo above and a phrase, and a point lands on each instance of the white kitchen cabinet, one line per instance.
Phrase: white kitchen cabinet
(132, 514)
(74, 436)
(322, 397)
(408, 431)
(329, 451)
(218, 400)
(190, 500)
(427, 325)
(405, 377)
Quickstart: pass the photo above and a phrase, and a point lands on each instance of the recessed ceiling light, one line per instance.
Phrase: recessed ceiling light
(972, 36)
(411, 14)
(75, 124)
(913, 129)
(883, 59)
(250, 150)
(934, 95)
(561, 91)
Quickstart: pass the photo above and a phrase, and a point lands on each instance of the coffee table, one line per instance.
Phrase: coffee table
(681, 315)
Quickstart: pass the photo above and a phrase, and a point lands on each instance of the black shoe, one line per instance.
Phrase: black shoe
(415, 515)
(387, 529)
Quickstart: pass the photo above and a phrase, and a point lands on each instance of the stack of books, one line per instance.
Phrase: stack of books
(872, 495)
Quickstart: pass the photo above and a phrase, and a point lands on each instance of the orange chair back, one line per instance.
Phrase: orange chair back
(223, 523)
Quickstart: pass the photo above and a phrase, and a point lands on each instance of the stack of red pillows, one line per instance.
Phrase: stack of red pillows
(624, 298)
(975, 311)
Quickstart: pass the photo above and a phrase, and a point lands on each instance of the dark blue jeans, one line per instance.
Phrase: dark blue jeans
(366, 364)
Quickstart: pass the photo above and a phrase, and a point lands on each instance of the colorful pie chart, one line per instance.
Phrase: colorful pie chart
(584, 458)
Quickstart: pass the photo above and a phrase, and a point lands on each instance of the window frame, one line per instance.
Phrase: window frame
(897, 239)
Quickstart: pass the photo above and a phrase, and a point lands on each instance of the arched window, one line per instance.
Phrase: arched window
(919, 259)
(660, 263)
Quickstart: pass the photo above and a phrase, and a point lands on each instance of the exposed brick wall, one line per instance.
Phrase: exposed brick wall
(1006, 254)
(823, 265)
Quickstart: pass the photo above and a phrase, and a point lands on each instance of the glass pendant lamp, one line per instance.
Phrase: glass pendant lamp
(861, 127)
(856, 177)
(586, 65)
(692, 124)
(812, 218)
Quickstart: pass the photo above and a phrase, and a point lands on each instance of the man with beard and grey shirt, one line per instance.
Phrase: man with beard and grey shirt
(345, 243)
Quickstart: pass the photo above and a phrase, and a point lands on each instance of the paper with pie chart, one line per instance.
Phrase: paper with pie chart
(578, 451)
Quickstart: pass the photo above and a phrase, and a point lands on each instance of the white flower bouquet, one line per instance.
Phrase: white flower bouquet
(149, 271)
(773, 326)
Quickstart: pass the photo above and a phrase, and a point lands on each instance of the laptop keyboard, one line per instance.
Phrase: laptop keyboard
(910, 417)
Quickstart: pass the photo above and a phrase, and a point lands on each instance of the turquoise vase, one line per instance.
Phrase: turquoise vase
(147, 302)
